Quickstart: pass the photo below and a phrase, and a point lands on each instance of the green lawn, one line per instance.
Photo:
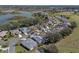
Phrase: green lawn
(20, 49)
(70, 43)
(68, 50)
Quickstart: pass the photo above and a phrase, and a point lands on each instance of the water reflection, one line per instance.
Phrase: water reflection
(6, 17)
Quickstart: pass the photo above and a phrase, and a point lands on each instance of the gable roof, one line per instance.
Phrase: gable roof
(38, 39)
(24, 29)
(29, 43)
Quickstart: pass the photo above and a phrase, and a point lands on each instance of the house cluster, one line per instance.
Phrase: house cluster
(31, 37)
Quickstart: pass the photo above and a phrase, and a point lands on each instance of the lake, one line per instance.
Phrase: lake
(6, 17)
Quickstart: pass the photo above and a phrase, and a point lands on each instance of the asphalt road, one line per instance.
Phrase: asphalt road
(12, 44)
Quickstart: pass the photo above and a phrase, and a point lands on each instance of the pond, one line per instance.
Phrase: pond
(6, 17)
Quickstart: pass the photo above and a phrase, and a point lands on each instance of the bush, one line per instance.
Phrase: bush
(50, 48)
(7, 36)
(73, 25)
(4, 46)
(66, 32)
(53, 38)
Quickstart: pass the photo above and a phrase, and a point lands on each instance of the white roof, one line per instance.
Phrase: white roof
(23, 39)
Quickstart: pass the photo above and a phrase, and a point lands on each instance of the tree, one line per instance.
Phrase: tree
(73, 25)
(50, 48)
(66, 32)
(53, 37)
(7, 36)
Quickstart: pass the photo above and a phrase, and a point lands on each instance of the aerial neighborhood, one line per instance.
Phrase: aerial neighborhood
(27, 37)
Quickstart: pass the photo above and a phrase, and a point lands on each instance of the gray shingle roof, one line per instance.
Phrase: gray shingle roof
(38, 39)
(29, 43)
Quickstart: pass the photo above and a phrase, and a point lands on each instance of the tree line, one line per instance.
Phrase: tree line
(55, 37)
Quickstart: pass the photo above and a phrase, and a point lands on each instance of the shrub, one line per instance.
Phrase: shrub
(52, 38)
(66, 32)
(73, 25)
(4, 46)
(50, 48)
(55, 37)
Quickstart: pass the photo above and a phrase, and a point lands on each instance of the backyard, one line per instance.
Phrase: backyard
(20, 49)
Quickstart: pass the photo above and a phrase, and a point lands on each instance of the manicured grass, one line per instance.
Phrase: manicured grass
(68, 50)
(70, 43)
(20, 49)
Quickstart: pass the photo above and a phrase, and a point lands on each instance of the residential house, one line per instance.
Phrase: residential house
(2, 34)
(16, 33)
(24, 30)
(38, 39)
(29, 44)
